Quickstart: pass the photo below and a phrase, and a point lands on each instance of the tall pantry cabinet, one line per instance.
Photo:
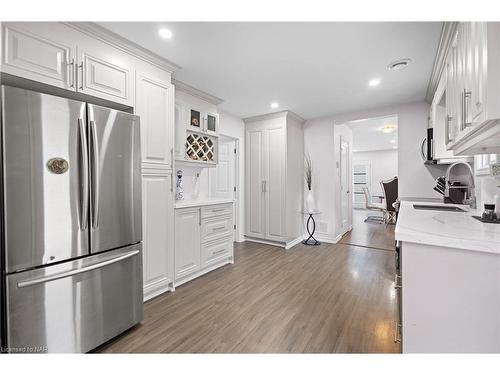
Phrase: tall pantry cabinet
(274, 178)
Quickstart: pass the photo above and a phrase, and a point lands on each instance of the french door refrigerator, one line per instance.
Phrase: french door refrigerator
(71, 223)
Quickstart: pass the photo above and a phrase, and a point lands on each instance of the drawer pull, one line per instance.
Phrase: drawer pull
(218, 209)
(219, 228)
(219, 251)
(397, 334)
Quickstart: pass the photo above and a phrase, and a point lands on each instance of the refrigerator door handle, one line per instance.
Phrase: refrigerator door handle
(62, 275)
(95, 174)
(85, 175)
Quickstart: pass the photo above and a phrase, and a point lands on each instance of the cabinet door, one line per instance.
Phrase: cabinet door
(180, 131)
(450, 121)
(211, 123)
(105, 72)
(460, 76)
(155, 106)
(187, 242)
(41, 52)
(275, 183)
(254, 209)
(477, 72)
(158, 231)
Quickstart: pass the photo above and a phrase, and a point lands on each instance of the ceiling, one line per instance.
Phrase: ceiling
(367, 136)
(313, 69)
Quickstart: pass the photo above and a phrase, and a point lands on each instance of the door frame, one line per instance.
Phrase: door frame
(348, 174)
(237, 200)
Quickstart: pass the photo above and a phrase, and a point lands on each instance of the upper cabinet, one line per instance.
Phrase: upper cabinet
(41, 52)
(154, 104)
(472, 89)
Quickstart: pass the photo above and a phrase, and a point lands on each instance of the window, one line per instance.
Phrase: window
(483, 162)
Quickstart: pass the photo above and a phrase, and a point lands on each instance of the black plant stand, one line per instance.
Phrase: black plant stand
(311, 241)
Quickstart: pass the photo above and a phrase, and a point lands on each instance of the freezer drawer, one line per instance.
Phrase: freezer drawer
(75, 306)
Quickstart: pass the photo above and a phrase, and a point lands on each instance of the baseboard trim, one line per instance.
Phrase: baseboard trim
(154, 290)
(221, 263)
(292, 243)
(265, 242)
(325, 239)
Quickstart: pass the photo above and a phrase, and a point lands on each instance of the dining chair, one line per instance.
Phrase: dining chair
(390, 189)
(373, 206)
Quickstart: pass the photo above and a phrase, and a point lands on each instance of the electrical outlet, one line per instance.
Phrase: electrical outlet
(495, 169)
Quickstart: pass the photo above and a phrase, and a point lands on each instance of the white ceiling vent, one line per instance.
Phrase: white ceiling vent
(398, 64)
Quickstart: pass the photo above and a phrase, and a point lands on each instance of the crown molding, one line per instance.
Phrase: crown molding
(447, 34)
(269, 116)
(115, 40)
(195, 92)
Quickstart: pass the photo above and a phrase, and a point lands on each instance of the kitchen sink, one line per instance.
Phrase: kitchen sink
(438, 208)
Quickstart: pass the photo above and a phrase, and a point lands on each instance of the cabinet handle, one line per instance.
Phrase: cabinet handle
(396, 285)
(172, 156)
(219, 228)
(199, 216)
(71, 74)
(467, 96)
(219, 251)
(264, 186)
(218, 209)
(80, 88)
(397, 330)
(171, 182)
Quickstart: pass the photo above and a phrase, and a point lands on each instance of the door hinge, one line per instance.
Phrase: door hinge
(235, 150)
(234, 189)
(234, 226)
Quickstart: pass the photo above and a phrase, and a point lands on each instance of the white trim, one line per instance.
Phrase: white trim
(327, 239)
(157, 288)
(447, 33)
(269, 116)
(183, 280)
(292, 243)
(265, 242)
(181, 86)
(117, 41)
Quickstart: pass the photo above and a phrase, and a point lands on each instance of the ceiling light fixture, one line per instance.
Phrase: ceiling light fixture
(274, 105)
(165, 33)
(399, 64)
(389, 128)
(374, 82)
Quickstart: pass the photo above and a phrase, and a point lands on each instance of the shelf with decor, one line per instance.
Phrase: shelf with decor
(200, 149)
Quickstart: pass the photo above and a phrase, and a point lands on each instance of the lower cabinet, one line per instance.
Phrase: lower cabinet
(203, 240)
(158, 230)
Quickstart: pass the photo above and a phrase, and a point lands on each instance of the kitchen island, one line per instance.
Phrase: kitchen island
(449, 281)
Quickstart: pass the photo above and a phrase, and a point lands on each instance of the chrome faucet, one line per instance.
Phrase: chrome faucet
(470, 197)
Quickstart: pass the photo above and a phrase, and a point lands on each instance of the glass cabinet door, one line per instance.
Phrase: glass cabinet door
(212, 123)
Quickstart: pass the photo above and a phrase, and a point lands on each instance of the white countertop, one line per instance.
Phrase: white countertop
(448, 229)
(201, 202)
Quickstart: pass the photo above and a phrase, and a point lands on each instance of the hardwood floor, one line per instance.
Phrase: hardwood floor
(369, 234)
(324, 299)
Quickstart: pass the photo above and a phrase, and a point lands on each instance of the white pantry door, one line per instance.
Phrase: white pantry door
(345, 186)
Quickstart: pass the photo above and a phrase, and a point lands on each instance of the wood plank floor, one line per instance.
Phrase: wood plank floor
(324, 299)
(369, 234)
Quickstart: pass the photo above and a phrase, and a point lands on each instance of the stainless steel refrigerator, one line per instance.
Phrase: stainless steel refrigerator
(71, 223)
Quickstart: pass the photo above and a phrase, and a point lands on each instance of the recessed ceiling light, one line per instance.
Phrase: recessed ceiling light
(399, 64)
(275, 105)
(165, 33)
(374, 82)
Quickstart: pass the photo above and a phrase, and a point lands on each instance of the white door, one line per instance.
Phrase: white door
(157, 215)
(154, 104)
(255, 183)
(187, 242)
(274, 186)
(223, 176)
(345, 186)
(43, 52)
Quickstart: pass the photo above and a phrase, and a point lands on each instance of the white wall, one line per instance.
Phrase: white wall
(415, 178)
(383, 166)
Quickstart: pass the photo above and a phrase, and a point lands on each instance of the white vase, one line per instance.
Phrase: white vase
(310, 202)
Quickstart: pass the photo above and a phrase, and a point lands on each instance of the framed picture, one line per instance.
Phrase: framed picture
(195, 118)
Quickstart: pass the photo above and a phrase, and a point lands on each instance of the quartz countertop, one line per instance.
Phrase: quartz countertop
(201, 202)
(448, 229)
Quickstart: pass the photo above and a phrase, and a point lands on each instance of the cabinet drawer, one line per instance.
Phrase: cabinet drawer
(216, 227)
(215, 251)
(216, 210)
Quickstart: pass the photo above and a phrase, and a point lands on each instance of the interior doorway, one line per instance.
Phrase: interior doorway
(374, 162)
(224, 180)
(345, 186)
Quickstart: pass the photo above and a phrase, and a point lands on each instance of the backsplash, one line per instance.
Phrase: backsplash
(195, 182)
(486, 188)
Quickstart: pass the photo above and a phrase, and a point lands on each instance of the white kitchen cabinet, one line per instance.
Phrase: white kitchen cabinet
(187, 242)
(201, 121)
(203, 240)
(274, 171)
(158, 229)
(473, 67)
(40, 51)
(154, 104)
